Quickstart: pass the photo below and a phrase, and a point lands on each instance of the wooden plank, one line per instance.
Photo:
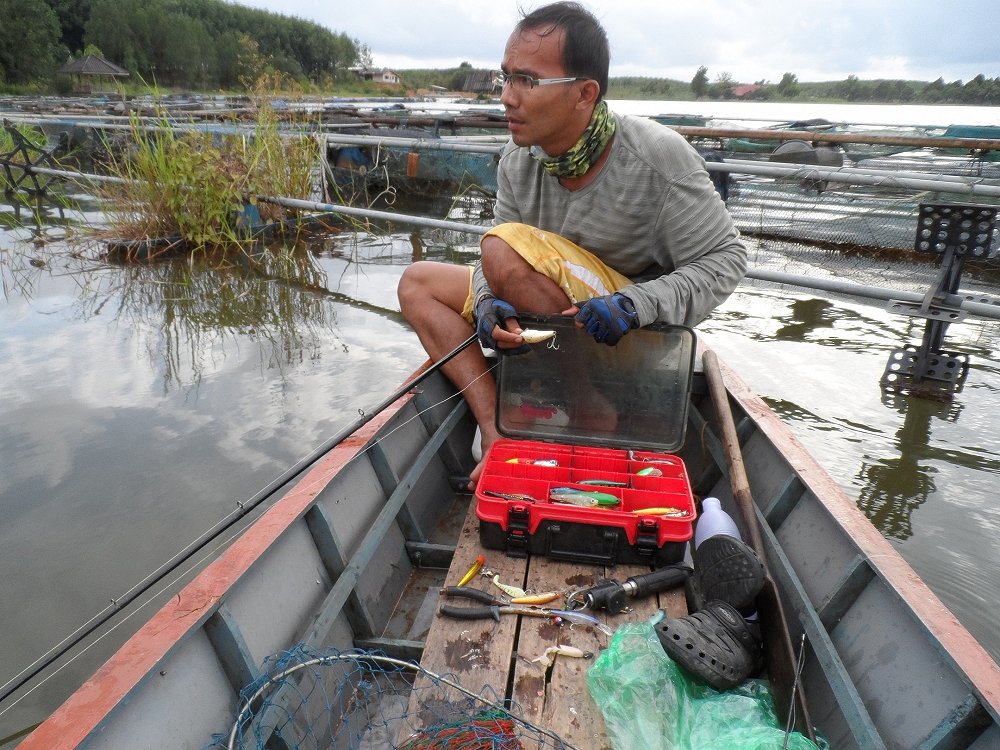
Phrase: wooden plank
(482, 654)
(556, 698)
(475, 653)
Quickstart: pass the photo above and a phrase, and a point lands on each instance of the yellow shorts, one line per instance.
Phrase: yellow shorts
(579, 273)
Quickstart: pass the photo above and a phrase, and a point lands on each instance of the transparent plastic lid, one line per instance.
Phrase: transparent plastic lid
(570, 389)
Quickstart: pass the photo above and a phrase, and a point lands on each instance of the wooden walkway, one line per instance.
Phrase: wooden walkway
(498, 658)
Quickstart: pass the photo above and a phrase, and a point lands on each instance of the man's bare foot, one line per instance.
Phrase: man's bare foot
(475, 474)
(486, 440)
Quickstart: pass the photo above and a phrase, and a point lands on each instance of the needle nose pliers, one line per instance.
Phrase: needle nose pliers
(490, 605)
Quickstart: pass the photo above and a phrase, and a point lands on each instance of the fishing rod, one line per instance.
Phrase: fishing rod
(243, 508)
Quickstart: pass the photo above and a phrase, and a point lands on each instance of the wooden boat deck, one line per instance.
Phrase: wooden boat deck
(498, 657)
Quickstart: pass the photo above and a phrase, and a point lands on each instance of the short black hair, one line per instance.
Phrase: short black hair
(585, 52)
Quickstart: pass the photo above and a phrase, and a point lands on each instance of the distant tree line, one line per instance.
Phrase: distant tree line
(981, 91)
(181, 43)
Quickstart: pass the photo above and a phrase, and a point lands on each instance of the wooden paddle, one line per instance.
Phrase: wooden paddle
(779, 655)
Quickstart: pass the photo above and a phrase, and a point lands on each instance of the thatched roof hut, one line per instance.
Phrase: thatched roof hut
(92, 67)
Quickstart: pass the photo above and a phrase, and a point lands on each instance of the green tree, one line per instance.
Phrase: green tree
(29, 41)
(933, 91)
(788, 86)
(457, 82)
(72, 15)
(721, 88)
(850, 89)
(699, 84)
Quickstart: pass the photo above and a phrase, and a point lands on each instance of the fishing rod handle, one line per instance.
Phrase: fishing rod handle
(662, 579)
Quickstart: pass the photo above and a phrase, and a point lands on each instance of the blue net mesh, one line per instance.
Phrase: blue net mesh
(361, 701)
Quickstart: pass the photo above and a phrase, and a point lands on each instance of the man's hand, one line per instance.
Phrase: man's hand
(492, 313)
(608, 318)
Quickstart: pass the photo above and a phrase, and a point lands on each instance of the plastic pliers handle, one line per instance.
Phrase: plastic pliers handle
(467, 592)
(492, 608)
(470, 613)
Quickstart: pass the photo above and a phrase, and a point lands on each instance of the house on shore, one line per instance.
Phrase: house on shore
(378, 75)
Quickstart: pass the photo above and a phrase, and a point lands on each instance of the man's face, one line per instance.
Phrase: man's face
(545, 116)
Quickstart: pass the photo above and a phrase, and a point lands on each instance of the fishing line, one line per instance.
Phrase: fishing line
(792, 713)
(243, 508)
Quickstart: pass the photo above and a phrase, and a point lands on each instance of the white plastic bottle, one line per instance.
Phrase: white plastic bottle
(714, 520)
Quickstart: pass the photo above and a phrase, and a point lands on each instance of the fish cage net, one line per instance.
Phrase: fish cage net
(358, 700)
(878, 211)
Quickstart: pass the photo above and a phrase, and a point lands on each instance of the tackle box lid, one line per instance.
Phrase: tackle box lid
(571, 389)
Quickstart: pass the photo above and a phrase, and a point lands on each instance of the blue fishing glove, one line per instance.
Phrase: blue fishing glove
(493, 312)
(608, 318)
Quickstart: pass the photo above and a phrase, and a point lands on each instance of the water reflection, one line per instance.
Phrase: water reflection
(893, 487)
(806, 315)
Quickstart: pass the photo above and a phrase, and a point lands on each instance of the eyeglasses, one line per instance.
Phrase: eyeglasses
(523, 82)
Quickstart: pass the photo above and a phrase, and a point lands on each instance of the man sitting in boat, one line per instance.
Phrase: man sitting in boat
(660, 244)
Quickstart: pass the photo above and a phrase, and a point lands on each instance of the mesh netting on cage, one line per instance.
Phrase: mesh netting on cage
(871, 203)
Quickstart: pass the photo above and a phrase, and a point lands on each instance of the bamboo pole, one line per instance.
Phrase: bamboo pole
(427, 144)
(981, 307)
(779, 654)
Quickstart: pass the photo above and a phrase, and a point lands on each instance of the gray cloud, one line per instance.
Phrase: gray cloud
(916, 39)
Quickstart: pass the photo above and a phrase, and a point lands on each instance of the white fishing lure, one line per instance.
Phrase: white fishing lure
(536, 336)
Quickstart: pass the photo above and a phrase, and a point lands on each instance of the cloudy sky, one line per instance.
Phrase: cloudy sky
(751, 40)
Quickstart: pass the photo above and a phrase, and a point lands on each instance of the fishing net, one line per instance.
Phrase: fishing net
(359, 700)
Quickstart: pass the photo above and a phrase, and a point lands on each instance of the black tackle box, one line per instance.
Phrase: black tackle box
(587, 469)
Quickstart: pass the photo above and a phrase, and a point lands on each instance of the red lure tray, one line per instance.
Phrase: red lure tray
(573, 411)
(598, 535)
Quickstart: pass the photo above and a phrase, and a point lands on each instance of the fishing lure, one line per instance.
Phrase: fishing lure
(533, 461)
(549, 657)
(666, 511)
(535, 336)
(651, 460)
(579, 618)
(548, 596)
(650, 471)
(583, 498)
(512, 591)
(603, 482)
(471, 572)
(511, 496)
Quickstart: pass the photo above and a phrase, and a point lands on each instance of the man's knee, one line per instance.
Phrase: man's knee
(415, 281)
(425, 284)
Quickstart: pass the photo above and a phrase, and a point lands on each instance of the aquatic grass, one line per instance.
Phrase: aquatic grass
(192, 186)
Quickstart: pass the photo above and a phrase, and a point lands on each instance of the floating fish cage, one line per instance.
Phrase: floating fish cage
(872, 203)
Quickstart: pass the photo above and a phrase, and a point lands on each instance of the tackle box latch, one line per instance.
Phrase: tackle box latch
(518, 516)
(647, 534)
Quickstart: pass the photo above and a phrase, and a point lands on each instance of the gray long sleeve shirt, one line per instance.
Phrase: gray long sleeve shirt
(651, 213)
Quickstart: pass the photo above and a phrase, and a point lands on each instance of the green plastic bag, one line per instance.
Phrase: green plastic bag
(648, 701)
